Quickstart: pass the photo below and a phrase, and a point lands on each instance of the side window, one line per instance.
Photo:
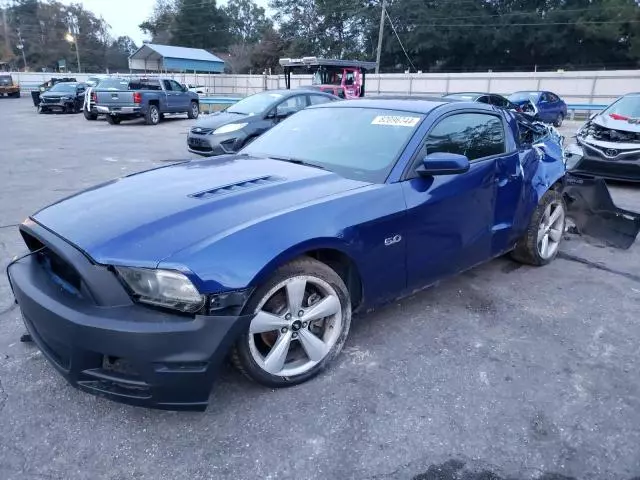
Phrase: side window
(499, 101)
(476, 135)
(292, 105)
(552, 98)
(483, 99)
(318, 99)
(175, 86)
(167, 85)
(544, 97)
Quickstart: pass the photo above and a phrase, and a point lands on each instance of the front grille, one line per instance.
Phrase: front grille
(60, 271)
(51, 100)
(201, 130)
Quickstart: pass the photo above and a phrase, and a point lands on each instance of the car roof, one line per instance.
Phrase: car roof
(469, 93)
(405, 104)
(297, 91)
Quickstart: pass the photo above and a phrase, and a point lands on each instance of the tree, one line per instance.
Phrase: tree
(118, 54)
(159, 24)
(247, 21)
(200, 24)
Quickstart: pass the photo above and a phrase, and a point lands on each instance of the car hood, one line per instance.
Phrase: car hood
(222, 118)
(144, 218)
(622, 124)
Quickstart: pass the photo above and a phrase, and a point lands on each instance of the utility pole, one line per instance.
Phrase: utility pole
(7, 42)
(380, 33)
(21, 47)
(72, 37)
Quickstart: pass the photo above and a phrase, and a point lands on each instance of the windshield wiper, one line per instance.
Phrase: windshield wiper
(297, 162)
(237, 113)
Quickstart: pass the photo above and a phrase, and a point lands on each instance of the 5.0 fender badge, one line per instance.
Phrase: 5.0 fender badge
(392, 240)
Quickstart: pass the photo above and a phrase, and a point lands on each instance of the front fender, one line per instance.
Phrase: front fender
(354, 223)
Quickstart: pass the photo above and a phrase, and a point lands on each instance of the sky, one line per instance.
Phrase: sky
(124, 17)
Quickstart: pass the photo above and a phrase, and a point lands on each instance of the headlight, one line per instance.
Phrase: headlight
(232, 127)
(164, 288)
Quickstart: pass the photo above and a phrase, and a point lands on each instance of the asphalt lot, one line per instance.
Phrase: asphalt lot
(505, 372)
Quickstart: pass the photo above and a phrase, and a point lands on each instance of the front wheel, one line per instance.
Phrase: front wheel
(302, 319)
(152, 116)
(194, 110)
(558, 121)
(541, 242)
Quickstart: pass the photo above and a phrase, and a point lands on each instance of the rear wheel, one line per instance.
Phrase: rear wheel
(113, 119)
(152, 117)
(302, 319)
(194, 110)
(90, 116)
(541, 242)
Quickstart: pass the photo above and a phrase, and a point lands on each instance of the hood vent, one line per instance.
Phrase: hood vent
(237, 187)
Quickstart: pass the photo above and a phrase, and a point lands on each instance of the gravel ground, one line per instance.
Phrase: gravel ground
(505, 372)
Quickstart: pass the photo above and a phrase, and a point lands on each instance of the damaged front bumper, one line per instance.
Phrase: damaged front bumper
(606, 153)
(592, 210)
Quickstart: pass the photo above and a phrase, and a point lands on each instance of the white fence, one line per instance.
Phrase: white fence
(599, 87)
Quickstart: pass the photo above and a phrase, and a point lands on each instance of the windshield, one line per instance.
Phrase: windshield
(357, 143)
(5, 80)
(625, 107)
(63, 87)
(257, 103)
(113, 84)
(523, 96)
(463, 96)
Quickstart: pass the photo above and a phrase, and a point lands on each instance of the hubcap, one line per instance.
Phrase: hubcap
(195, 110)
(550, 230)
(287, 345)
(155, 116)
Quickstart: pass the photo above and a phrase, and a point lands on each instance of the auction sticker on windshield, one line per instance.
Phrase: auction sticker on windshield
(395, 121)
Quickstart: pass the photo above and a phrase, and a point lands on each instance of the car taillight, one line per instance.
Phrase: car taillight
(137, 97)
(94, 97)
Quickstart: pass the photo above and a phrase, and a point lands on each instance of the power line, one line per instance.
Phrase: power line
(384, 9)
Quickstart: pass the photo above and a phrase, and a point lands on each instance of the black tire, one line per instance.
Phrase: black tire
(113, 119)
(241, 355)
(152, 117)
(90, 116)
(194, 110)
(15, 95)
(558, 121)
(527, 250)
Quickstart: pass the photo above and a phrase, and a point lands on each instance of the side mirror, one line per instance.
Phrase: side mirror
(443, 163)
(281, 115)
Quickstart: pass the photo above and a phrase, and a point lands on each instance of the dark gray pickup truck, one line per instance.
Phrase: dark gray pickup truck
(150, 98)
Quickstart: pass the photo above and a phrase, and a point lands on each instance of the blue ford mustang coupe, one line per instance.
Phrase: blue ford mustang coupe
(137, 289)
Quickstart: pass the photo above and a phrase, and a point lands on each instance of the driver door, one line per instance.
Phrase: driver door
(290, 106)
(450, 217)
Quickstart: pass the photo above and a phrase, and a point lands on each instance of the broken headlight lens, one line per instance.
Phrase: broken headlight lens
(162, 288)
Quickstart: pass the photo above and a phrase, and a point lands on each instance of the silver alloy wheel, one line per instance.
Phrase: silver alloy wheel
(297, 323)
(155, 115)
(195, 110)
(550, 230)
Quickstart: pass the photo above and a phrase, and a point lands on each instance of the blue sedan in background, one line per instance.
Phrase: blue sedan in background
(551, 108)
(137, 289)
